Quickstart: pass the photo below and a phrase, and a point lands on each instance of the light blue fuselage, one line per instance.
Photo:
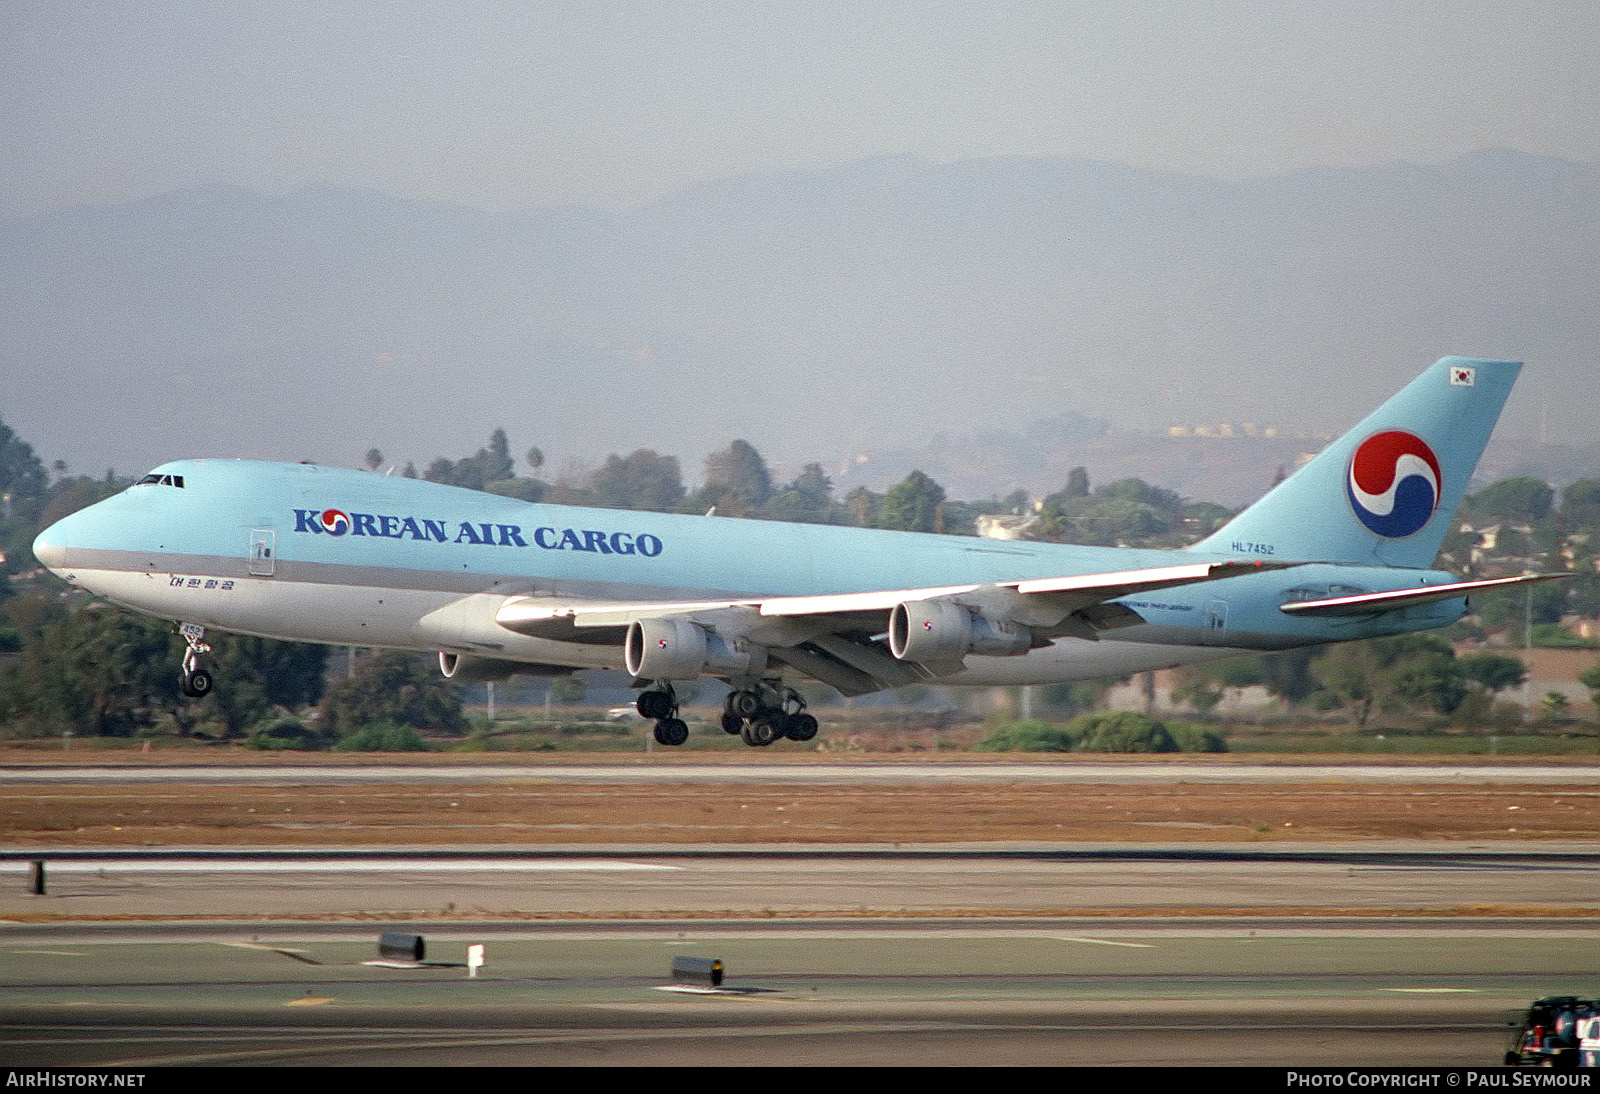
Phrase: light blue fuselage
(329, 555)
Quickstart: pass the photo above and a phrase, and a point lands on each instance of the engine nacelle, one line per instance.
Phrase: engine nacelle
(675, 649)
(942, 630)
(468, 669)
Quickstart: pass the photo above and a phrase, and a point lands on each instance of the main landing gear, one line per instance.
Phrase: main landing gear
(759, 715)
(763, 714)
(195, 682)
(661, 703)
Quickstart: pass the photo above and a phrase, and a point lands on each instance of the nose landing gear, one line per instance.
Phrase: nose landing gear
(195, 682)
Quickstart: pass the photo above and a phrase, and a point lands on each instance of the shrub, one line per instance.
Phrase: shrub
(1121, 731)
(1106, 731)
(383, 737)
(286, 732)
(1029, 736)
(1190, 737)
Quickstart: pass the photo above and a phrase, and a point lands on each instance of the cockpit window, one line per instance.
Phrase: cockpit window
(153, 479)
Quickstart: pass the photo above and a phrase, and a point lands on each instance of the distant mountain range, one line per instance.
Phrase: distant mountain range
(895, 309)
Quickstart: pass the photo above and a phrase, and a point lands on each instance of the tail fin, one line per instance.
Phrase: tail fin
(1386, 492)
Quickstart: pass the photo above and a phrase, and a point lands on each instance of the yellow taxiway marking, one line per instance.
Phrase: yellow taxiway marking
(1435, 991)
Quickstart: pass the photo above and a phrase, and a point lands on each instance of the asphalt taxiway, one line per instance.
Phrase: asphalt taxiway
(948, 958)
(1057, 992)
(1318, 953)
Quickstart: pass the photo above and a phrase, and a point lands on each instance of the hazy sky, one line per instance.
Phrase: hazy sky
(532, 104)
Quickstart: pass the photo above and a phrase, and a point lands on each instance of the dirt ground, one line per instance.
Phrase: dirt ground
(534, 812)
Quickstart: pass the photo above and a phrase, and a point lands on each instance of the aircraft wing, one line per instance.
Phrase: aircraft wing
(544, 617)
(1392, 600)
(838, 637)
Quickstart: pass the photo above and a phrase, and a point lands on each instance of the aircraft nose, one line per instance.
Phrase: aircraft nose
(50, 548)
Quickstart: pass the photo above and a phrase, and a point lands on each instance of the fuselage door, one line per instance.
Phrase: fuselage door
(263, 552)
(1215, 624)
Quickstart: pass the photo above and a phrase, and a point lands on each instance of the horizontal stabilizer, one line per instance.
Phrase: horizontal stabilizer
(1368, 603)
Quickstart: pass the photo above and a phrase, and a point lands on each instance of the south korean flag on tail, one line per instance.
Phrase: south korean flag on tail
(1463, 377)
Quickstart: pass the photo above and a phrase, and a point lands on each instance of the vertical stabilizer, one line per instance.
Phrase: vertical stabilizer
(1386, 492)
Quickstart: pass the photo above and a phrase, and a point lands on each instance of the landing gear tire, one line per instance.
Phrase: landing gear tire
(763, 731)
(731, 723)
(745, 703)
(801, 727)
(656, 703)
(196, 684)
(671, 731)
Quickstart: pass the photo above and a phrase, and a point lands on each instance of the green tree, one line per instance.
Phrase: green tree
(396, 687)
(1493, 672)
(737, 481)
(497, 461)
(862, 506)
(91, 668)
(1077, 483)
(640, 480)
(1201, 518)
(1522, 499)
(1288, 674)
(1583, 594)
(490, 464)
(255, 676)
(22, 475)
(1126, 512)
(913, 505)
(1204, 685)
(1392, 674)
(1580, 506)
(808, 499)
(519, 488)
(1511, 608)
(96, 669)
(568, 690)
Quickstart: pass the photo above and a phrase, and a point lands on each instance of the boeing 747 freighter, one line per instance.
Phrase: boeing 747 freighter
(1341, 550)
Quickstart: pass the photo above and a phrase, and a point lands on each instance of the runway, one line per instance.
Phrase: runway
(704, 883)
(658, 769)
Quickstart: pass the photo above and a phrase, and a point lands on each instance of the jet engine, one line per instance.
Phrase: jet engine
(942, 630)
(675, 649)
(467, 669)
